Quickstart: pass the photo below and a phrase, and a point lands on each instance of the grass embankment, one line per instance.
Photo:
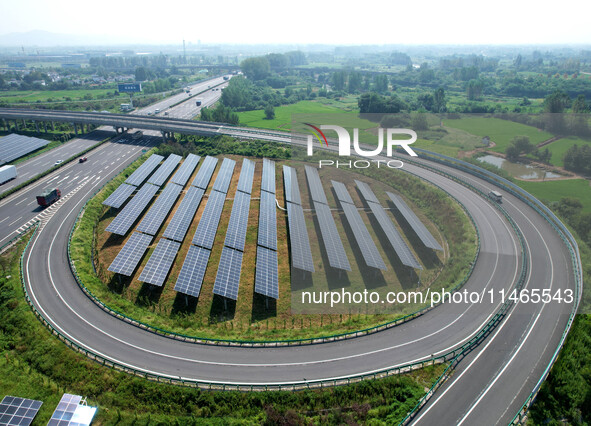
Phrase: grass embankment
(34, 364)
(249, 319)
(554, 190)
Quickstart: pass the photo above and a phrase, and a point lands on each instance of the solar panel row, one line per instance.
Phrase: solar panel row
(141, 173)
(337, 258)
(246, 175)
(164, 171)
(398, 244)
(267, 221)
(18, 411)
(236, 232)
(191, 276)
(119, 196)
(341, 191)
(208, 224)
(14, 146)
(160, 261)
(267, 273)
(227, 279)
(131, 253)
(366, 192)
(184, 172)
(292, 188)
(415, 223)
(301, 254)
(268, 177)
(315, 185)
(152, 221)
(126, 217)
(205, 172)
(224, 177)
(180, 222)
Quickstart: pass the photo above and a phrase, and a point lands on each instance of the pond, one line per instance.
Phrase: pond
(518, 170)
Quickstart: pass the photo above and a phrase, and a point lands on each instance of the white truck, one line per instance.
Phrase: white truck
(7, 173)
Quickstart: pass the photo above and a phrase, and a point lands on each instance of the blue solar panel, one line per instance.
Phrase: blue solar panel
(152, 221)
(191, 276)
(164, 171)
(227, 279)
(142, 172)
(246, 175)
(366, 192)
(18, 411)
(205, 172)
(268, 177)
(337, 258)
(14, 146)
(342, 194)
(315, 185)
(415, 223)
(119, 196)
(224, 177)
(292, 188)
(126, 217)
(236, 233)
(301, 253)
(181, 221)
(210, 219)
(267, 221)
(184, 172)
(267, 273)
(159, 263)
(131, 254)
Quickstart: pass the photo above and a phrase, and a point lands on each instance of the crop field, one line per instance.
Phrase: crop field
(559, 148)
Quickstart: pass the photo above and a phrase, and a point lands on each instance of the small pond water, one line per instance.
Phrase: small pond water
(521, 171)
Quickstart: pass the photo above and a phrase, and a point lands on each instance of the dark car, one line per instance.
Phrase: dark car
(82, 160)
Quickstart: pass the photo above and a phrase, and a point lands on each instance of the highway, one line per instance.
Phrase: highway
(488, 386)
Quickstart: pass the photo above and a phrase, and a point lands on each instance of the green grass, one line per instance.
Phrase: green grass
(557, 189)
(559, 148)
(500, 131)
(12, 96)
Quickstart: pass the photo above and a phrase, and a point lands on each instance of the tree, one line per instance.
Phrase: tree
(519, 145)
(141, 74)
(556, 102)
(580, 105)
(419, 122)
(256, 68)
(439, 102)
(354, 83)
(381, 83)
(269, 112)
(338, 80)
(474, 89)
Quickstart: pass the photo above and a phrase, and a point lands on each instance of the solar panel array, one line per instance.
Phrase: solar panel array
(315, 185)
(131, 254)
(119, 196)
(267, 273)
(236, 232)
(341, 191)
(14, 146)
(301, 254)
(191, 276)
(415, 223)
(268, 177)
(164, 171)
(126, 217)
(142, 172)
(160, 261)
(224, 177)
(18, 411)
(292, 188)
(181, 221)
(337, 258)
(246, 175)
(366, 192)
(267, 221)
(227, 279)
(184, 172)
(159, 210)
(205, 172)
(208, 224)
(368, 248)
(398, 244)
(65, 410)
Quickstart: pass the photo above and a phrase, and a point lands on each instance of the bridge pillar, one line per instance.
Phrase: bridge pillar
(163, 135)
(52, 126)
(45, 126)
(24, 124)
(36, 126)
(5, 123)
(16, 125)
(75, 129)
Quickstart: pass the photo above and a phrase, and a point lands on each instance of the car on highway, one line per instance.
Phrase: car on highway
(58, 162)
(82, 159)
(157, 110)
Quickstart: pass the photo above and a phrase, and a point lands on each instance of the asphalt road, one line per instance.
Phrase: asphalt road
(487, 388)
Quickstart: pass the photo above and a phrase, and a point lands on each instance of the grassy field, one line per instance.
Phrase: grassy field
(501, 132)
(559, 148)
(13, 96)
(555, 190)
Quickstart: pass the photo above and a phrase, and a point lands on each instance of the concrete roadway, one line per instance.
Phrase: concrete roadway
(487, 388)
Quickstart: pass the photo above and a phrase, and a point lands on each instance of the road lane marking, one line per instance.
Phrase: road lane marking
(13, 222)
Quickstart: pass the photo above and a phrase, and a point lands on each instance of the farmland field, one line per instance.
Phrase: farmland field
(555, 190)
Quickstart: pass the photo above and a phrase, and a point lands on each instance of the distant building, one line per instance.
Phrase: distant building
(71, 65)
(486, 141)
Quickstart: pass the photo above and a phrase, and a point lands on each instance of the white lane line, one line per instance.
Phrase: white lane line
(6, 218)
(52, 179)
(60, 181)
(21, 201)
(32, 202)
(13, 222)
(24, 174)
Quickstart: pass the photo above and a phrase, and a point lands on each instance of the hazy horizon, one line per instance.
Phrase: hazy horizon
(457, 22)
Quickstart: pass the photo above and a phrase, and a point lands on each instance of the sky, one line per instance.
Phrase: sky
(306, 21)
